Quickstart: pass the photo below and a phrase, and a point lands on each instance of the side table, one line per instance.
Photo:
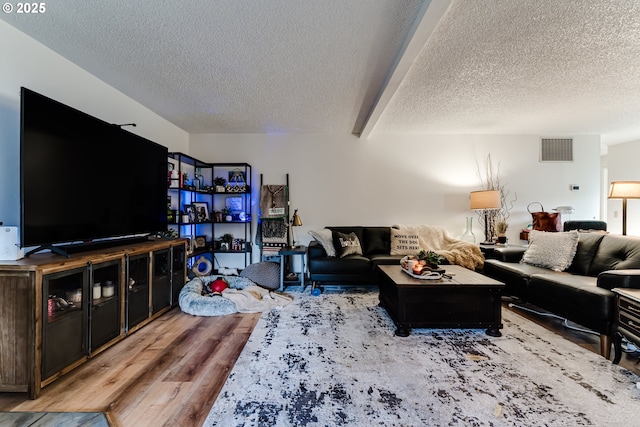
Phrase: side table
(627, 319)
(293, 251)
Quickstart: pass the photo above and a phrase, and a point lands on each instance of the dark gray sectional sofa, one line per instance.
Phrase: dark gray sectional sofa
(582, 293)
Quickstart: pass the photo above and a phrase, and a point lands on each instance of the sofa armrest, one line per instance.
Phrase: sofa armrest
(628, 278)
(509, 254)
(315, 250)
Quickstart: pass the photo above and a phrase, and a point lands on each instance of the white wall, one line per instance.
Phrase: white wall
(30, 64)
(335, 179)
(623, 164)
(344, 180)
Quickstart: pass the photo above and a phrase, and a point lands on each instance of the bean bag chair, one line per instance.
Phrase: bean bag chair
(264, 274)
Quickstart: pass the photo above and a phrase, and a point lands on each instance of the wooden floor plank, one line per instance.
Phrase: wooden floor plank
(147, 378)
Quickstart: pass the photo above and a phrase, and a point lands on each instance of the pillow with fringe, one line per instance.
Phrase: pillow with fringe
(551, 250)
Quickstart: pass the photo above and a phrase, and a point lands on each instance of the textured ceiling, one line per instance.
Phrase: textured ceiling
(543, 67)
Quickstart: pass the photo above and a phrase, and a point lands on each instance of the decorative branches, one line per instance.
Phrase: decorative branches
(490, 179)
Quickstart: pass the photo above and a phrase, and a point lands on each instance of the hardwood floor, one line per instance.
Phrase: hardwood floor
(171, 371)
(167, 373)
(588, 341)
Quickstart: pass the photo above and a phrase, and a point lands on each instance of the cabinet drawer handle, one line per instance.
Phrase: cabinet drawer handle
(634, 324)
(633, 308)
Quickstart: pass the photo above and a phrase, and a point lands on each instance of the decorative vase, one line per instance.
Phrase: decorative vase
(468, 235)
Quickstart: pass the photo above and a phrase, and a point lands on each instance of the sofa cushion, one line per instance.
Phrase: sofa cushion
(551, 250)
(377, 240)
(351, 264)
(573, 296)
(515, 275)
(588, 244)
(325, 238)
(346, 244)
(616, 252)
(403, 243)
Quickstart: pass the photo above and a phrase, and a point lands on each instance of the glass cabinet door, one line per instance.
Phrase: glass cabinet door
(104, 315)
(161, 283)
(64, 336)
(137, 284)
(178, 273)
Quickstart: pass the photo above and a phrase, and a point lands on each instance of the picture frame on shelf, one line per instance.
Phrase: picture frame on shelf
(191, 245)
(201, 211)
(190, 211)
(234, 204)
(200, 242)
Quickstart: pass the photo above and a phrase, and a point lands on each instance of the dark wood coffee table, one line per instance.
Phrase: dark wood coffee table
(467, 300)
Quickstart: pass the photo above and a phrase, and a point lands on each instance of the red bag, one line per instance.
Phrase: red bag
(545, 221)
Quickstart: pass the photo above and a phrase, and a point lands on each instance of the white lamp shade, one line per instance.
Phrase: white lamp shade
(624, 190)
(485, 199)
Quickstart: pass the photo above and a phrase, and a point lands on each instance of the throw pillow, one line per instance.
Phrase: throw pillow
(551, 250)
(325, 238)
(264, 274)
(346, 244)
(403, 243)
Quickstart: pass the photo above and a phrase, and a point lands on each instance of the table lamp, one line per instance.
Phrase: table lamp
(485, 200)
(624, 190)
(295, 221)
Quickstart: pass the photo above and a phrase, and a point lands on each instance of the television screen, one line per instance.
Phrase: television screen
(84, 179)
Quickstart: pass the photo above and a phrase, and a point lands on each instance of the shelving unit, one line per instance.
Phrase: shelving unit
(190, 182)
(236, 197)
(198, 189)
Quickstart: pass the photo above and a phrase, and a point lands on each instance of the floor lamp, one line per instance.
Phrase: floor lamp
(624, 190)
(485, 200)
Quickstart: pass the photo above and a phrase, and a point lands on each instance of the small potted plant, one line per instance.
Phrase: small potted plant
(429, 258)
(501, 229)
(226, 240)
(219, 182)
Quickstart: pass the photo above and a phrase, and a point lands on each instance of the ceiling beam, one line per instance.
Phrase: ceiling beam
(426, 21)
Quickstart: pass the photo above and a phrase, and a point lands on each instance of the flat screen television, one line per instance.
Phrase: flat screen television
(83, 179)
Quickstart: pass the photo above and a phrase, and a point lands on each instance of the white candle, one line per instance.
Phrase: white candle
(97, 291)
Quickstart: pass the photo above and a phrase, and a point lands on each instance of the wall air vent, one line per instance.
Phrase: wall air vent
(556, 150)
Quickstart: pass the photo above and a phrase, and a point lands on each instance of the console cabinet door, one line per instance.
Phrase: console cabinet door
(161, 281)
(137, 282)
(65, 303)
(104, 315)
(178, 272)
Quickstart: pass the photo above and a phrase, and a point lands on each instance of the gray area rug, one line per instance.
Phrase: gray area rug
(333, 360)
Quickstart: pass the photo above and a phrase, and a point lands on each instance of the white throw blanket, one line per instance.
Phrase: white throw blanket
(255, 299)
(454, 250)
